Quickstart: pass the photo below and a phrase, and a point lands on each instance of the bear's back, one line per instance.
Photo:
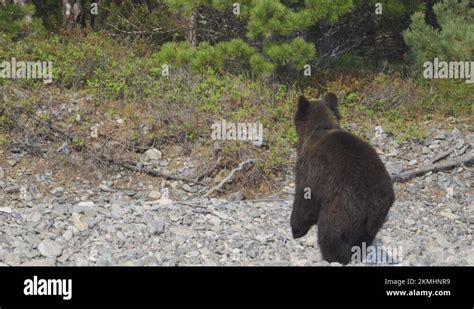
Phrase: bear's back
(349, 165)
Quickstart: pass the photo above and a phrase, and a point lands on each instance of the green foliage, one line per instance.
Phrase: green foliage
(78, 143)
(27, 104)
(270, 17)
(455, 41)
(185, 7)
(447, 97)
(177, 54)
(50, 12)
(3, 139)
(5, 121)
(274, 26)
(296, 52)
(396, 8)
(260, 65)
(17, 20)
(97, 61)
(234, 56)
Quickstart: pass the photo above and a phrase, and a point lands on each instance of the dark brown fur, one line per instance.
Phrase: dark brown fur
(351, 191)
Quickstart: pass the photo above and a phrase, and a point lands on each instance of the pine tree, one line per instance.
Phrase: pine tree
(273, 39)
(453, 42)
(16, 19)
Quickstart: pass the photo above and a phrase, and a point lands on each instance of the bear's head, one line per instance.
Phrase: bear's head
(314, 119)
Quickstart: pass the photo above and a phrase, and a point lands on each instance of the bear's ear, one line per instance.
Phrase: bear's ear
(331, 101)
(303, 104)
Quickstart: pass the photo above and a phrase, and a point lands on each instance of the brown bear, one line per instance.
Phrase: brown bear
(341, 183)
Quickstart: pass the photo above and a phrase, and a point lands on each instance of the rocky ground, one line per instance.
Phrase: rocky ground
(50, 215)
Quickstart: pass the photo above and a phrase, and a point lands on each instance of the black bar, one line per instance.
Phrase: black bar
(240, 285)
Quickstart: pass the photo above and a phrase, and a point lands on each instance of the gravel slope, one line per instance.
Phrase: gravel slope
(45, 221)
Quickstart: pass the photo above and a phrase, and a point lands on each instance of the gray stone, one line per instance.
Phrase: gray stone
(13, 259)
(442, 241)
(439, 135)
(181, 231)
(44, 262)
(470, 139)
(215, 221)
(188, 188)
(80, 260)
(79, 222)
(238, 196)
(106, 188)
(157, 227)
(87, 208)
(263, 238)
(68, 235)
(449, 215)
(451, 260)
(58, 191)
(456, 132)
(49, 248)
(35, 217)
(130, 193)
(175, 150)
(174, 185)
(154, 194)
(105, 258)
(117, 210)
(459, 143)
(153, 154)
(163, 163)
(12, 189)
(394, 168)
(7, 210)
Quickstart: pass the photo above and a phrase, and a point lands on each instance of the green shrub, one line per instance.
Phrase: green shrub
(455, 40)
(17, 20)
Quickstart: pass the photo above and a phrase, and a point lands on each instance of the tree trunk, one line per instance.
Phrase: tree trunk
(67, 14)
(191, 32)
(73, 12)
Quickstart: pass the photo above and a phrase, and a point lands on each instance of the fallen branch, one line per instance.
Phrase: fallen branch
(152, 172)
(266, 200)
(192, 205)
(229, 177)
(103, 158)
(441, 156)
(407, 175)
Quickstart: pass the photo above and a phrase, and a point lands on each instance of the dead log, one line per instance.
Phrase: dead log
(229, 177)
(127, 165)
(409, 174)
